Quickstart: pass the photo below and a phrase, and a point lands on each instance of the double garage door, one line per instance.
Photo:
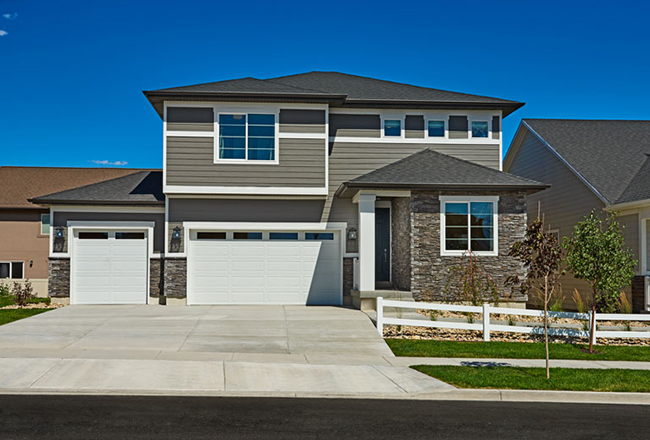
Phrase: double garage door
(109, 267)
(264, 267)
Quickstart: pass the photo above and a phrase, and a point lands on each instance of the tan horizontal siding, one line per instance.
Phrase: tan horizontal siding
(190, 162)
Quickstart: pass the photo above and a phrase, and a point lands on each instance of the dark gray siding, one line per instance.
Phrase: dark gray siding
(302, 121)
(458, 126)
(496, 127)
(355, 125)
(414, 126)
(190, 162)
(242, 210)
(190, 119)
(62, 218)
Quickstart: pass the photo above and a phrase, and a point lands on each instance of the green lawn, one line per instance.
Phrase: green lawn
(514, 350)
(567, 379)
(11, 315)
(10, 300)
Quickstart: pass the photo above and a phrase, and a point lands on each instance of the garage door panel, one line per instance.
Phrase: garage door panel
(264, 271)
(279, 249)
(109, 271)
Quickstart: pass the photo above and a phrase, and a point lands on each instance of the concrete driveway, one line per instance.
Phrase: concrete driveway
(196, 333)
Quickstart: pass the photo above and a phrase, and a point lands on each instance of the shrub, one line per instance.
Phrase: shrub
(23, 293)
(469, 283)
(625, 307)
(5, 290)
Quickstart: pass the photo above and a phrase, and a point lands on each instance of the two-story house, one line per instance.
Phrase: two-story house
(316, 188)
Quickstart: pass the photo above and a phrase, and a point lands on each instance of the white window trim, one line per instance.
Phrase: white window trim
(401, 118)
(489, 127)
(276, 161)
(445, 123)
(11, 263)
(49, 224)
(467, 199)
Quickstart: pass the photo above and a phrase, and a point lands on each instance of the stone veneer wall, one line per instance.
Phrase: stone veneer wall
(638, 294)
(175, 277)
(348, 277)
(155, 277)
(401, 243)
(431, 270)
(59, 278)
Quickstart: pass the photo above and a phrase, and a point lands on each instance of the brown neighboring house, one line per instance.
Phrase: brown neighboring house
(25, 226)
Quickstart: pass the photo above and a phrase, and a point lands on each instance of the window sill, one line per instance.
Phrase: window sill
(246, 162)
(466, 254)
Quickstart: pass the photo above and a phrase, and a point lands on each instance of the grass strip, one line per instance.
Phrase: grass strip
(514, 350)
(520, 378)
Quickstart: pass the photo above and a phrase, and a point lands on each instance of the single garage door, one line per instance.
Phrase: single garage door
(264, 267)
(109, 267)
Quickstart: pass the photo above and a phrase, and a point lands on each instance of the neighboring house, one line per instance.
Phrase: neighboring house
(590, 164)
(25, 227)
(317, 188)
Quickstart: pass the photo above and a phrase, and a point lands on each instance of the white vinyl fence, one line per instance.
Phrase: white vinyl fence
(483, 323)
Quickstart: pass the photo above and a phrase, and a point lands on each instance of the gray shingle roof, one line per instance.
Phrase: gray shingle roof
(338, 89)
(611, 155)
(140, 188)
(364, 88)
(429, 169)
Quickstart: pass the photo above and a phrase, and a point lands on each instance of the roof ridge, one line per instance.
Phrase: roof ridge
(78, 168)
(633, 180)
(396, 82)
(585, 120)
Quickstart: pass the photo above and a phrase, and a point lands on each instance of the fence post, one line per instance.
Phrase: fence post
(593, 327)
(380, 316)
(486, 322)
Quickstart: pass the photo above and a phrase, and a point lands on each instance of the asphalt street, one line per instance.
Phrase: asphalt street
(121, 417)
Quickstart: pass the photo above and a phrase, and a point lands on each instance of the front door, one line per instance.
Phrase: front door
(382, 244)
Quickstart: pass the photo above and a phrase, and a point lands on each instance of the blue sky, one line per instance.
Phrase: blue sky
(72, 72)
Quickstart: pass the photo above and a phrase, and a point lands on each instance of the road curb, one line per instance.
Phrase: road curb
(486, 395)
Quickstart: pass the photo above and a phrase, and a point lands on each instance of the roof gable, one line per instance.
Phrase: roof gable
(609, 155)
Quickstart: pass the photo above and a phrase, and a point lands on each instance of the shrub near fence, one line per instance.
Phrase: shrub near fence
(485, 326)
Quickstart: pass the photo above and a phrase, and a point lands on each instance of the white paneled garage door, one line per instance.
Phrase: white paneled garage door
(261, 267)
(109, 267)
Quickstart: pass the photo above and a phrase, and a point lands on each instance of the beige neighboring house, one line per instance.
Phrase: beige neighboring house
(590, 164)
(25, 227)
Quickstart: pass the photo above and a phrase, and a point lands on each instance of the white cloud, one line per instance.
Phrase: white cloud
(107, 162)
(10, 16)
(3, 33)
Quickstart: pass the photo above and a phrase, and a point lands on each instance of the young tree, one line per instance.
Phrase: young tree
(596, 253)
(542, 257)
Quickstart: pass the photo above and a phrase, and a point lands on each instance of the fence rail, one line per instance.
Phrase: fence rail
(487, 327)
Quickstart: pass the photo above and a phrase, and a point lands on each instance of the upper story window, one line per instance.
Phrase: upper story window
(392, 127)
(436, 128)
(479, 129)
(45, 224)
(247, 137)
(469, 225)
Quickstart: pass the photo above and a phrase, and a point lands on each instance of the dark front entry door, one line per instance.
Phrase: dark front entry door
(382, 244)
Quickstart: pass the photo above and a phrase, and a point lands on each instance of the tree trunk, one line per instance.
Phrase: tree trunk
(546, 300)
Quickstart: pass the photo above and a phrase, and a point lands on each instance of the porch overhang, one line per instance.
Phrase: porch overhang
(352, 189)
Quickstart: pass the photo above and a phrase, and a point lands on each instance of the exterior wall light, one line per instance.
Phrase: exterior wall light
(352, 234)
(176, 233)
(59, 232)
